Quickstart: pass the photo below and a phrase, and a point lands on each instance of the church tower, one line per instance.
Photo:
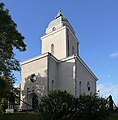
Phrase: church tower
(60, 39)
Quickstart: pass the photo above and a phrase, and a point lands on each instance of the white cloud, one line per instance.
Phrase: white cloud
(106, 90)
(114, 54)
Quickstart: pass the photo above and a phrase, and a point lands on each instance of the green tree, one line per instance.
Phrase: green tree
(10, 38)
(60, 105)
(3, 87)
(3, 104)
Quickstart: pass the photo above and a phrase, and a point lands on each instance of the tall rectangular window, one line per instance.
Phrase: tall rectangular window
(52, 49)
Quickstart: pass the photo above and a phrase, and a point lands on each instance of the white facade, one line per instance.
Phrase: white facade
(59, 66)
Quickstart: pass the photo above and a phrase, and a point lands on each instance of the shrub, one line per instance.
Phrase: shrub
(57, 105)
(60, 105)
(92, 107)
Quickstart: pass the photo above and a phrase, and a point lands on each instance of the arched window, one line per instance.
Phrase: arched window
(52, 49)
(72, 50)
(88, 86)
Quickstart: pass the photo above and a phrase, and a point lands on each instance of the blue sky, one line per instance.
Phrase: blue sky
(95, 23)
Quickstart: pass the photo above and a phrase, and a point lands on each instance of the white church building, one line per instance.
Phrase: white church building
(58, 67)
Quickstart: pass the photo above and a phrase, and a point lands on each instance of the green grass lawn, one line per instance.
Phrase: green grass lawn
(19, 116)
(35, 116)
(113, 116)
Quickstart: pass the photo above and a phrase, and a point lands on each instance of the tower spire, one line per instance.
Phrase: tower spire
(59, 12)
(60, 7)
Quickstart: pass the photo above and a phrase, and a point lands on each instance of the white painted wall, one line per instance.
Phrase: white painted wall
(84, 76)
(73, 42)
(66, 75)
(52, 69)
(62, 39)
(58, 39)
(37, 66)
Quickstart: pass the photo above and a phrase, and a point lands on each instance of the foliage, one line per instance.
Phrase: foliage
(3, 105)
(92, 107)
(10, 38)
(60, 105)
(57, 105)
(3, 87)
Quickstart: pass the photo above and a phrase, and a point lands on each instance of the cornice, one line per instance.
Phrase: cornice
(34, 58)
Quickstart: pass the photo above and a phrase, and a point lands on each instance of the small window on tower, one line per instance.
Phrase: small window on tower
(52, 49)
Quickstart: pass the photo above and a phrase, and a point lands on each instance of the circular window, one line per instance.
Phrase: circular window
(33, 78)
(53, 29)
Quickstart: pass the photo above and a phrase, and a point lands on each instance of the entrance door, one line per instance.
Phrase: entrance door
(35, 102)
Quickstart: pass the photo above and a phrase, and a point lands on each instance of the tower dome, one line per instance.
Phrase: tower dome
(59, 18)
(59, 21)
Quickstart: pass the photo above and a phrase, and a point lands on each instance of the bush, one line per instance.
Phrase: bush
(60, 105)
(92, 107)
(57, 105)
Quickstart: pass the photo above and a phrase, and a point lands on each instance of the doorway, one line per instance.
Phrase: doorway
(35, 102)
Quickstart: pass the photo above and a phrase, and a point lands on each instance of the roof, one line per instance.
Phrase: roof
(59, 18)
